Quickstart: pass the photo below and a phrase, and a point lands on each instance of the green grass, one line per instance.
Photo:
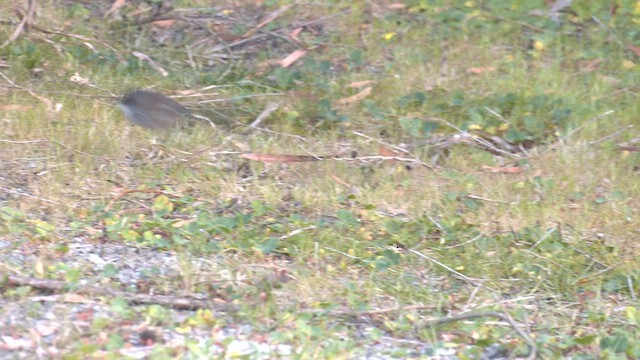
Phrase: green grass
(554, 246)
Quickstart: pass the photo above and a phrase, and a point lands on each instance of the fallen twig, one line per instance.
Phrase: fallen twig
(26, 19)
(630, 145)
(271, 107)
(9, 191)
(263, 35)
(464, 135)
(297, 231)
(130, 191)
(176, 302)
(27, 142)
(592, 120)
(397, 148)
(378, 157)
(533, 349)
(458, 274)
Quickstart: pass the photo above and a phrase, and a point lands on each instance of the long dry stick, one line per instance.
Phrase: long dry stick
(21, 26)
(176, 302)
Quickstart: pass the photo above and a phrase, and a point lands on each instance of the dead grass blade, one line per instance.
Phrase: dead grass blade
(505, 170)
(281, 158)
(115, 6)
(355, 98)
(291, 58)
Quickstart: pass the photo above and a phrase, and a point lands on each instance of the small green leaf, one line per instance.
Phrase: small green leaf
(269, 245)
(115, 342)
(577, 195)
(109, 270)
(259, 208)
(392, 226)
(157, 312)
(632, 314)
(162, 206)
(600, 200)
(617, 343)
(120, 306)
(585, 340)
(72, 276)
(23, 291)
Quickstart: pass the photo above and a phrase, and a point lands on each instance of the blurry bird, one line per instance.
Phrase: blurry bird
(152, 110)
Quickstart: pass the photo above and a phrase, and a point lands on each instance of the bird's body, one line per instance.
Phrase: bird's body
(152, 110)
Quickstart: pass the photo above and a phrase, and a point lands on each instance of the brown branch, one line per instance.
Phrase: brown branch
(183, 303)
(37, 141)
(396, 309)
(18, 193)
(533, 349)
(26, 20)
(285, 29)
(130, 191)
(192, 303)
(630, 145)
(379, 157)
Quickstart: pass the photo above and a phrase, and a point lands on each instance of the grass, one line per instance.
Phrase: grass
(333, 259)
